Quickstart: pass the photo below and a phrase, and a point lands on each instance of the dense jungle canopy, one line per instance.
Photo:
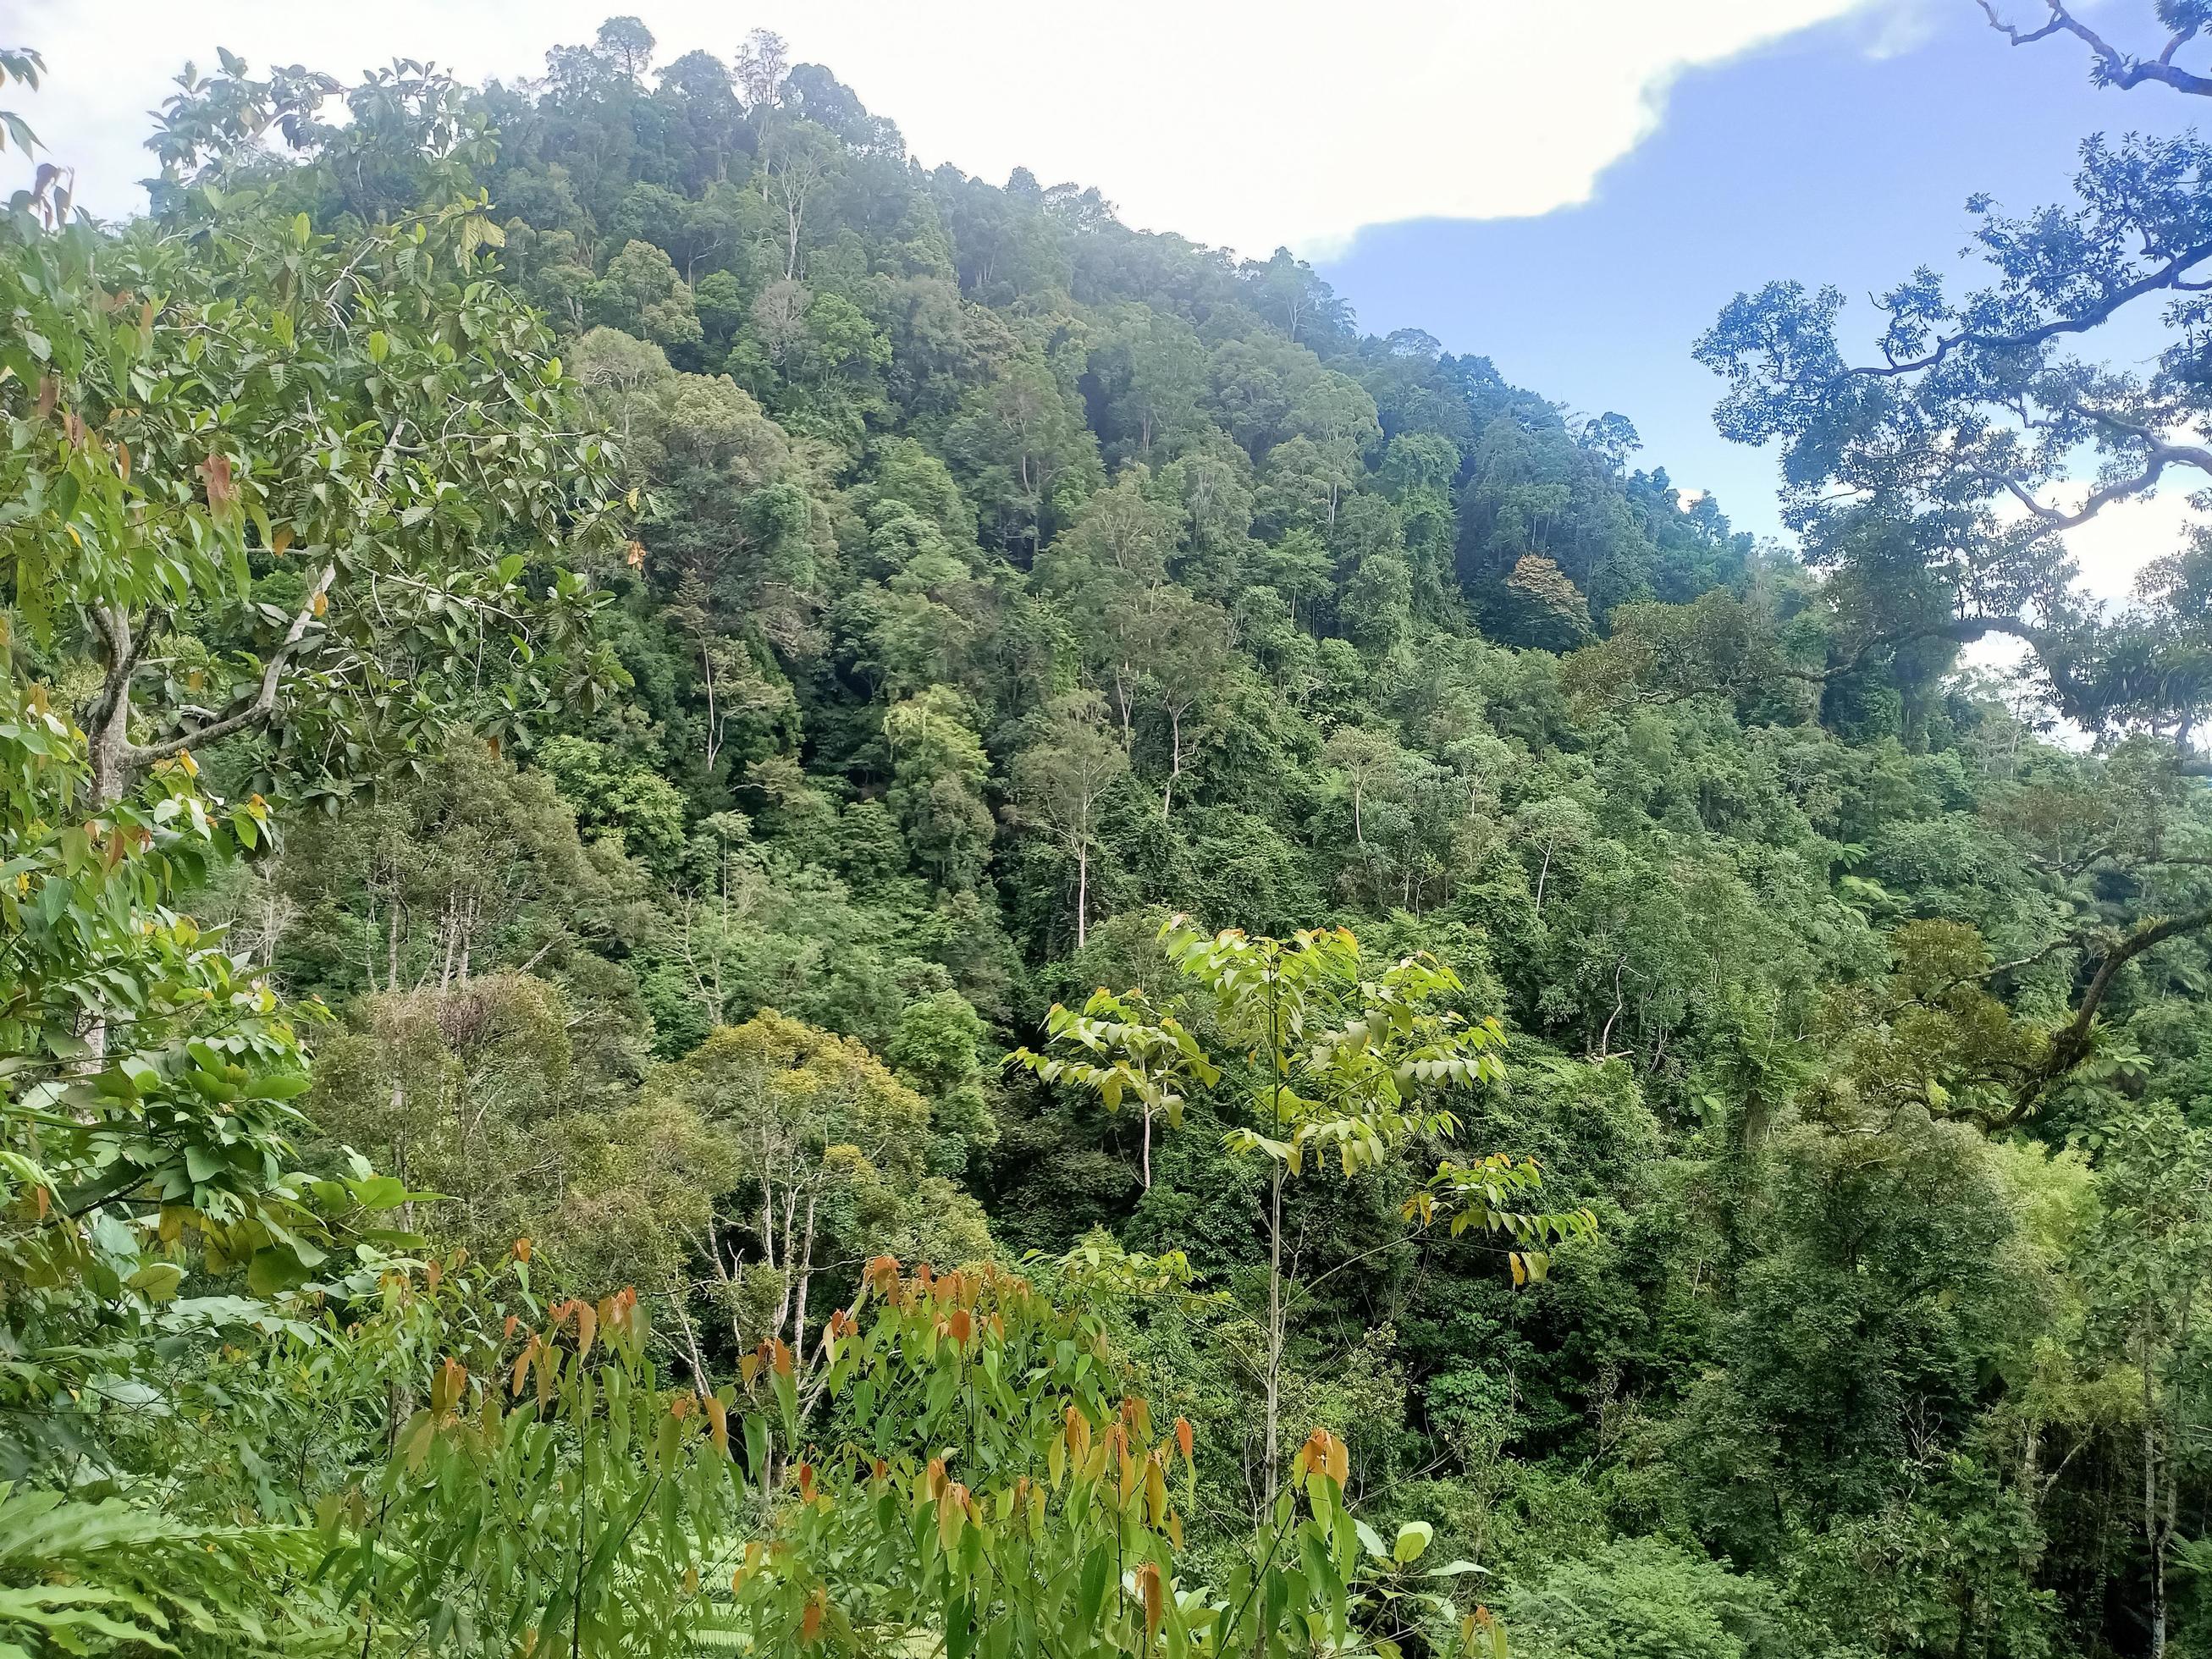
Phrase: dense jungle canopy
(753, 900)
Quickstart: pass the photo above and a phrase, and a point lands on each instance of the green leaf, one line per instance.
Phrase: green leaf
(382, 1192)
(1456, 1570)
(157, 1280)
(1090, 1592)
(274, 1269)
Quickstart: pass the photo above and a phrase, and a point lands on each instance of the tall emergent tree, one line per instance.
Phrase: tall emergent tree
(1936, 474)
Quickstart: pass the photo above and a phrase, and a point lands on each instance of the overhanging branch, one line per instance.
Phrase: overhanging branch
(2071, 1044)
(2114, 68)
(136, 757)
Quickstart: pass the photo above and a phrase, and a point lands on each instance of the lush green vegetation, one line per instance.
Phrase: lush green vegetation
(751, 900)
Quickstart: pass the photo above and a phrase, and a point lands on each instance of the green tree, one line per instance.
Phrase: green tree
(1346, 1064)
(827, 1142)
(323, 552)
(2154, 1235)
(642, 295)
(938, 772)
(1061, 783)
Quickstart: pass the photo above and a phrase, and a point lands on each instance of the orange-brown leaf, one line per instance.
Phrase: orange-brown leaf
(221, 487)
(1155, 1597)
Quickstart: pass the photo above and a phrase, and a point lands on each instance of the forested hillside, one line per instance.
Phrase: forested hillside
(754, 900)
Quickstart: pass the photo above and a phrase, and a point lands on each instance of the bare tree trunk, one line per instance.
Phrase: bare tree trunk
(451, 921)
(1605, 1037)
(690, 1337)
(399, 1154)
(1148, 1146)
(1082, 890)
(468, 935)
(2154, 1539)
(792, 1265)
(805, 1259)
(1275, 1410)
(2150, 1535)
(1175, 762)
(725, 1272)
(110, 738)
(713, 740)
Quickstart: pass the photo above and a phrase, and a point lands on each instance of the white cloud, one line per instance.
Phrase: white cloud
(1244, 124)
(2109, 551)
(2113, 547)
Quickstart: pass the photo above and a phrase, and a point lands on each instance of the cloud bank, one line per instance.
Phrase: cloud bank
(1246, 125)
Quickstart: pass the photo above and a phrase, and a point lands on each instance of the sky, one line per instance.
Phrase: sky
(1843, 154)
(1573, 189)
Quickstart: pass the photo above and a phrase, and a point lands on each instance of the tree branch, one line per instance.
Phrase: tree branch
(1958, 630)
(2159, 455)
(2171, 275)
(2113, 68)
(136, 756)
(2071, 1045)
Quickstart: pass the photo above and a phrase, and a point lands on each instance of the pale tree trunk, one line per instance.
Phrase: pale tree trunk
(1274, 1447)
(2158, 1511)
(698, 1363)
(1175, 762)
(2150, 1528)
(806, 1268)
(1082, 890)
(713, 736)
(110, 746)
(399, 1154)
(453, 941)
(783, 1303)
(1605, 1038)
(726, 1272)
(1274, 1409)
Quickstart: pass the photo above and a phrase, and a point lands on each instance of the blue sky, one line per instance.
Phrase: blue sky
(1827, 157)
